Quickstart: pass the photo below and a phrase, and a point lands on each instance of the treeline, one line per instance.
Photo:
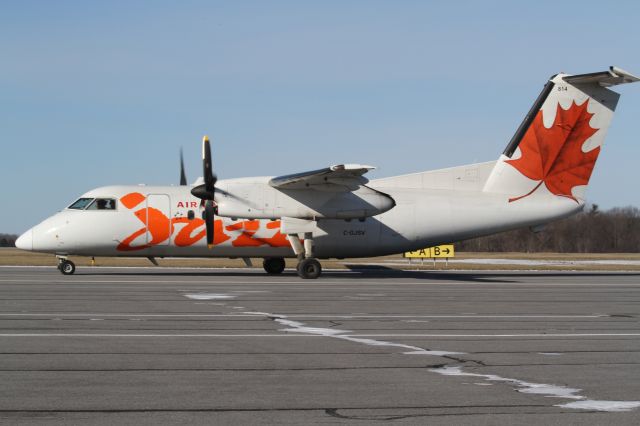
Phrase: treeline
(8, 240)
(591, 231)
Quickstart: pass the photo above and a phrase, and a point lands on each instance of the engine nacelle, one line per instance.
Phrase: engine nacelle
(258, 200)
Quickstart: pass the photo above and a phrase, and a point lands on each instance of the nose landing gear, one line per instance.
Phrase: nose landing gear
(66, 266)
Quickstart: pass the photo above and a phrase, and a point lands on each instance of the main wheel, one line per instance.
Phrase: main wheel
(67, 267)
(309, 269)
(273, 265)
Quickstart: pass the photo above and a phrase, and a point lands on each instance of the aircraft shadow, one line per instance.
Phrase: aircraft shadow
(371, 272)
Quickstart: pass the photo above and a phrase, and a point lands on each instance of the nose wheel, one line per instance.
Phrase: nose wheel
(66, 266)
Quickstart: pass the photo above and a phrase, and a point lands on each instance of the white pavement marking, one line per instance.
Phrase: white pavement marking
(505, 335)
(590, 404)
(316, 335)
(343, 316)
(339, 316)
(298, 327)
(548, 390)
(553, 391)
(524, 387)
(123, 315)
(146, 335)
(210, 296)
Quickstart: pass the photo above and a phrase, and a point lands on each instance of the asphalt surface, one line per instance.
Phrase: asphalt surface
(165, 346)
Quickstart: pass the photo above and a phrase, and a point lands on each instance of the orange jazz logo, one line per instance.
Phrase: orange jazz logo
(159, 228)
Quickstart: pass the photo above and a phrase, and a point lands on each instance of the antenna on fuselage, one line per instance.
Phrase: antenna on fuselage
(183, 176)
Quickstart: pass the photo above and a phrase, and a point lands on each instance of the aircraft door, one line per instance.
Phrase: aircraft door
(158, 219)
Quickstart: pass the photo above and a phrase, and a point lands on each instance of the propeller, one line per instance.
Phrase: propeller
(207, 190)
(209, 217)
(183, 176)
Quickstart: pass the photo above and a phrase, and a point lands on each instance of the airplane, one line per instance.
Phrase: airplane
(335, 212)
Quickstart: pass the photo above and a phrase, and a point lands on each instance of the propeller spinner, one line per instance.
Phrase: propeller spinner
(207, 190)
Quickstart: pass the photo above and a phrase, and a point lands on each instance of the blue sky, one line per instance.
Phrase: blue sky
(97, 93)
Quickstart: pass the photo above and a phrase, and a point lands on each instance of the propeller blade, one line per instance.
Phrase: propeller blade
(207, 172)
(208, 219)
(207, 190)
(183, 176)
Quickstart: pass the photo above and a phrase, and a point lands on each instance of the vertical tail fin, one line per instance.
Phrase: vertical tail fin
(556, 147)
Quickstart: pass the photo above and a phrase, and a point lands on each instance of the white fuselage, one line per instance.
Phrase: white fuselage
(430, 208)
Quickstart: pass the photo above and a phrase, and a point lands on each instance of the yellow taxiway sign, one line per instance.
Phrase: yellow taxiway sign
(444, 250)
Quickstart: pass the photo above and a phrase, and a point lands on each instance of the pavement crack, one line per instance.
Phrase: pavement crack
(464, 361)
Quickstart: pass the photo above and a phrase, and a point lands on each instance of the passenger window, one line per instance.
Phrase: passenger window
(103, 204)
(191, 214)
(81, 203)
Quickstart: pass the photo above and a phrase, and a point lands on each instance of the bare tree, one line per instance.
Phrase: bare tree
(8, 240)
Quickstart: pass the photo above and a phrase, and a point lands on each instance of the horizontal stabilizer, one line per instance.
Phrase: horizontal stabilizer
(612, 77)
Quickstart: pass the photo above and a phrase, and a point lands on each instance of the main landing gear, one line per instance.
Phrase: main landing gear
(66, 266)
(273, 265)
(308, 266)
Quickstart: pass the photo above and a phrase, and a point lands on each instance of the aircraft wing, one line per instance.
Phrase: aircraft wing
(341, 177)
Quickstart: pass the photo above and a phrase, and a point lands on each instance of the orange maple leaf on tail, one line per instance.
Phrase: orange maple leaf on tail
(554, 155)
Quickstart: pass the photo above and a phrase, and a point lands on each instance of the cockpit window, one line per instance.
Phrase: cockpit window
(81, 203)
(103, 204)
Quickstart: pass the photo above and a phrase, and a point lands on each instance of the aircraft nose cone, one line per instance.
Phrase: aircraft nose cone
(25, 241)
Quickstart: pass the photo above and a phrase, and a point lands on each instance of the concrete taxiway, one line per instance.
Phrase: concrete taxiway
(191, 346)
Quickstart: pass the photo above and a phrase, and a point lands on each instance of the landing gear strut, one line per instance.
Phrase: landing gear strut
(308, 266)
(66, 266)
(273, 265)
